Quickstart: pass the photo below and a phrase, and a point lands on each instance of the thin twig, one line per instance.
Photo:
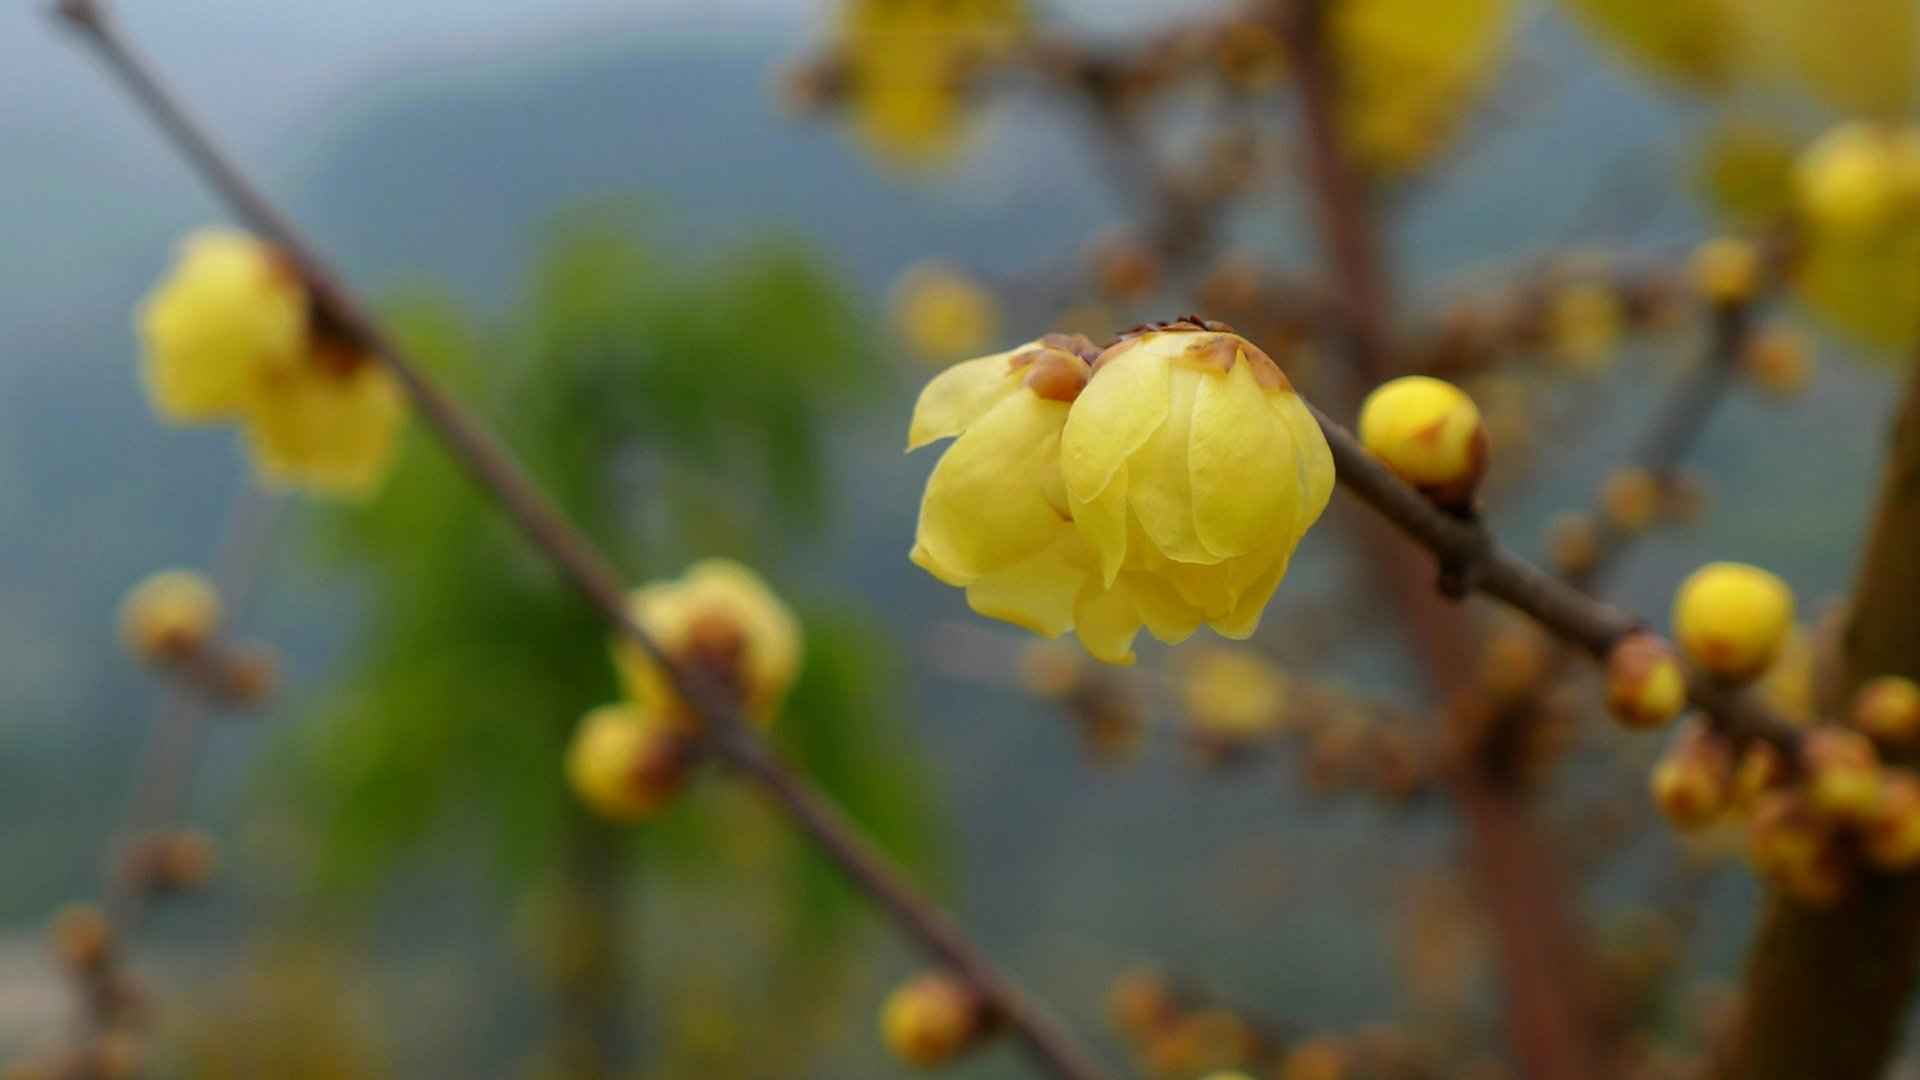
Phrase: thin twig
(493, 467)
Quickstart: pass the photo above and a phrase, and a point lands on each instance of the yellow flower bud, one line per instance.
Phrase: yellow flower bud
(1317, 1059)
(1573, 542)
(1848, 180)
(1515, 662)
(1859, 188)
(1645, 686)
(943, 314)
(169, 617)
(933, 1019)
(1583, 325)
(1888, 708)
(1428, 432)
(1762, 768)
(721, 618)
(626, 762)
(1787, 685)
(83, 939)
(229, 310)
(1202, 1041)
(1732, 619)
(1891, 834)
(1843, 773)
(1726, 270)
(1693, 779)
(1193, 469)
(328, 426)
(1779, 361)
(1631, 499)
(1233, 697)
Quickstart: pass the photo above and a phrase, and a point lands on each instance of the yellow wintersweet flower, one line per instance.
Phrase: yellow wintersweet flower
(721, 618)
(907, 63)
(328, 425)
(1411, 70)
(1232, 695)
(1193, 469)
(944, 314)
(1859, 199)
(626, 761)
(229, 310)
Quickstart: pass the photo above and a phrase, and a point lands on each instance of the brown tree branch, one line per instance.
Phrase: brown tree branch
(492, 466)
(1827, 992)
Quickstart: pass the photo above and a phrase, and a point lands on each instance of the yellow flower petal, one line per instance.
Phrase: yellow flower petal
(1124, 403)
(224, 313)
(1038, 594)
(979, 513)
(1103, 521)
(326, 431)
(1244, 619)
(1167, 615)
(1106, 621)
(960, 395)
(1314, 458)
(1160, 484)
(1236, 434)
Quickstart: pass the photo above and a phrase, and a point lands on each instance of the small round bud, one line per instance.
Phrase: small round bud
(169, 617)
(1141, 1003)
(1514, 663)
(1779, 361)
(1317, 1059)
(1888, 708)
(933, 1019)
(1732, 619)
(1573, 543)
(82, 937)
(1583, 325)
(1429, 432)
(627, 763)
(1631, 499)
(944, 315)
(1785, 838)
(1233, 698)
(1762, 768)
(1726, 270)
(249, 674)
(1692, 781)
(1645, 686)
(1891, 834)
(1843, 773)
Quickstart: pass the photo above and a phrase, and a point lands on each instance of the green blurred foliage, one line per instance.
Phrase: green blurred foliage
(674, 407)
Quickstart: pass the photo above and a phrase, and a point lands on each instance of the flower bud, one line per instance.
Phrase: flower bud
(1778, 361)
(1691, 782)
(1726, 271)
(1514, 664)
(1428, 432)
(329, 426)
(1843, 773)
(723, 620)
(1141, 1003)
(1583, 325)
(626, 763)
(1762, 768)
(249, 674)
(1317, 1059)
(83, 939)
(1631, 499)
(942, 314)
(1891, 834)
(1784, 834)
(1888, 708)
(1645, 686)
(1201, 1041)
(170, 862)
(933, 1019)
(169, 617)
(1233, 698)
(1573, 543)
(1732, 619)
(229, 311)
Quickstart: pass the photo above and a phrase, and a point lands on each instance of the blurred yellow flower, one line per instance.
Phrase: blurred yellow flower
(722, 618)
(908, 62)
(626, 761)
(169, 616)
(1859, 198)
(1698, 44)
(944, 314)
(1733, 619)
(1232, 695)
(1410, 71)
(326, 427)
(1584, 321)
(229, 310)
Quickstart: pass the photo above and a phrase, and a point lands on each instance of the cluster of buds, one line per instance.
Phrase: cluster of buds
(172, 621)
(230, 336)
(1160, 483)
(720, 625)
(934, 1019)
(1175, 1033)
(174, 861)
(1818, 816)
